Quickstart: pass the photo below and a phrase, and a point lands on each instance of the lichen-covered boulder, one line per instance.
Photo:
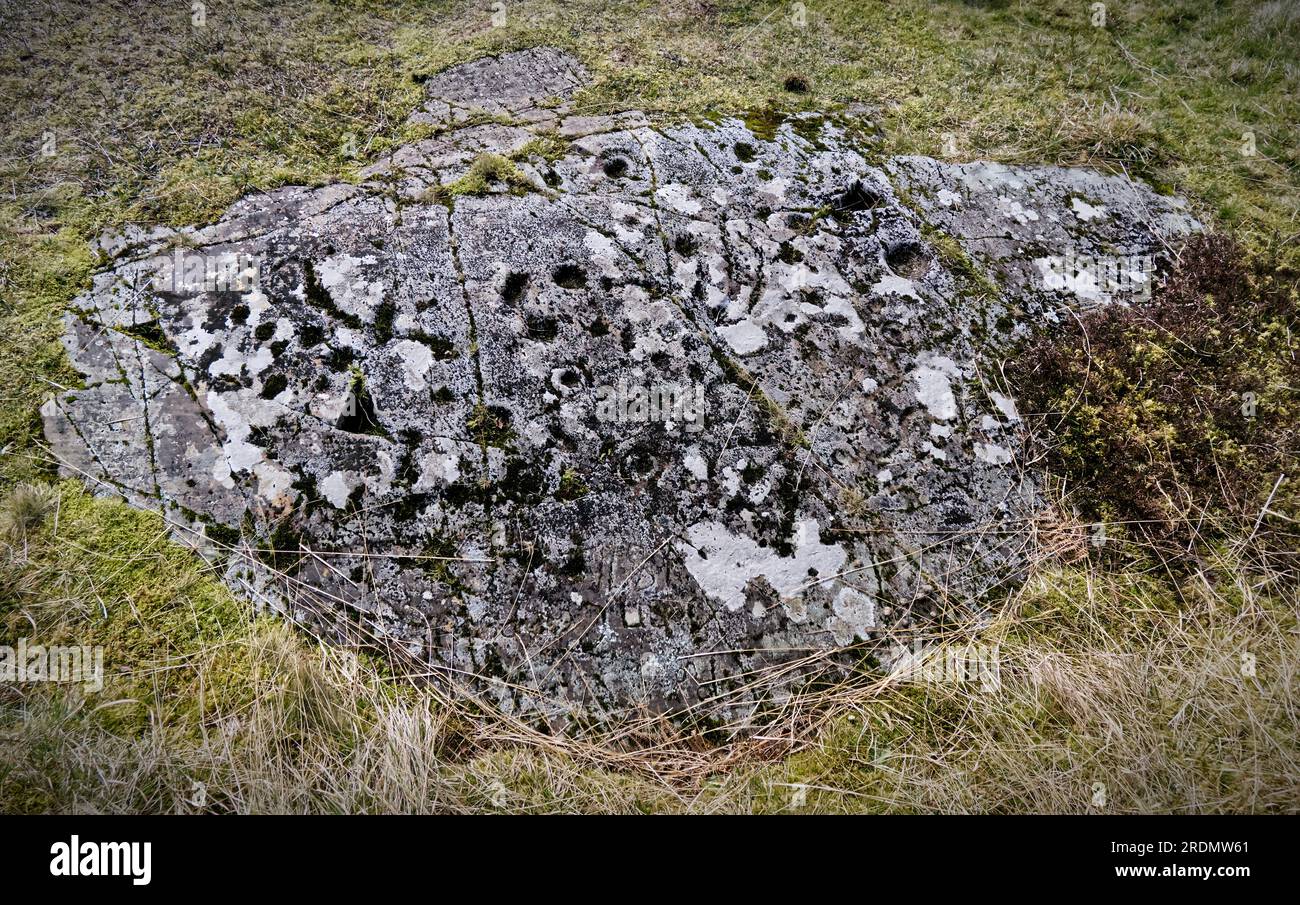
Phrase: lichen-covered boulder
(594, 416)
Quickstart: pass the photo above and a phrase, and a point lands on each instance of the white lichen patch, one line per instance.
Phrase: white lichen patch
(274, 484)
(337, 487)
(934, 391)
(1006, 405)
(344, 278)
(723, 562)
(745, 337)
(1078, 281)
(855, 616)
(604, 253)
(992, 453)
(1014, 210)
(440, 466)
(893, 284)
(695, 464)
(679, 198)
(1085, 211)
(416, 360)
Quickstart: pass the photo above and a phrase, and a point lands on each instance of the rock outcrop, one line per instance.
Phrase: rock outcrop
(594, 415)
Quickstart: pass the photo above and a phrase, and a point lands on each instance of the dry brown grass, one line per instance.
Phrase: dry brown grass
(1125, 678)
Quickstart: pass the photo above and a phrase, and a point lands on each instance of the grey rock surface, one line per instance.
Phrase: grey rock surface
(677, 418)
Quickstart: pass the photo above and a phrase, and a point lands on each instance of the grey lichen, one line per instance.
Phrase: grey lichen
(718, 376)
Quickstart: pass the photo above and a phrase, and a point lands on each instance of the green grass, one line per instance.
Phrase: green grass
(170, 123)
(157, 122)
(1104, 677)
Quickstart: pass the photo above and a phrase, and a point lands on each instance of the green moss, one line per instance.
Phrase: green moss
(775, 416)
(150, 594)
(957, 261)
(274, 385)
(1169, 395)
(283, 549)
(488, 173)
(763, 122)
(571, 486)
(443, 395)
(442, 348)
(361, 417)
(440, 552)
(548, 146)
(490, 426)
(222, 534)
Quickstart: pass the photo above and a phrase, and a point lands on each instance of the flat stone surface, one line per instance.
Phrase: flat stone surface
(674, 427)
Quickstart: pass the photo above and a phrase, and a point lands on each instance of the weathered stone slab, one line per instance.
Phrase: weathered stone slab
(674, 426)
